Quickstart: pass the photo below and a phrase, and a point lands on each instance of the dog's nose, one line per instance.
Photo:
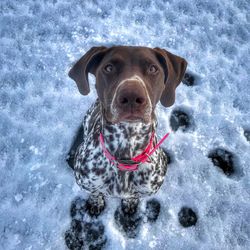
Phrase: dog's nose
(131, 95)
(130, 98)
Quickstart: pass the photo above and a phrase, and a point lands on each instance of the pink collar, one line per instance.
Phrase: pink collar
(137, 160)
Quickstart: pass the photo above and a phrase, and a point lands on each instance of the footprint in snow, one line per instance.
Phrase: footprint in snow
(181, 120)
(187, 217)
(85, 232)
(88, 232)
(247, 134)
(223, 159)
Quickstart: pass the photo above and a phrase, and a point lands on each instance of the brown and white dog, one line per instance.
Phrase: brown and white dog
(130, 81)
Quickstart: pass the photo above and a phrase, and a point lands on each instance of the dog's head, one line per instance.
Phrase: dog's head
(130, 81)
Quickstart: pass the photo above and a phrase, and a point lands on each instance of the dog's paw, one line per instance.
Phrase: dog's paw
(95, 207)
(129, 206)
(128, 223)
(153, 208)
(187, 217)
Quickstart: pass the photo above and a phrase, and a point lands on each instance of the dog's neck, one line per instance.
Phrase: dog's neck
(126, 140)
(123, 140)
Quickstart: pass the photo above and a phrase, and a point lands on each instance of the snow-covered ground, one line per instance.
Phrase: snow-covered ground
(41, 109)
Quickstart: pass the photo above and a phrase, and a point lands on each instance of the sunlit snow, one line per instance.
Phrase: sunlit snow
(41, 109)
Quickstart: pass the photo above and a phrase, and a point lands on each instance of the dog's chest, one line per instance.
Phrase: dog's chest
(95, 172)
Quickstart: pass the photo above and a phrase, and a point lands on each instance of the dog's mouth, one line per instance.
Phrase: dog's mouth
(117, 116)
(131, 118)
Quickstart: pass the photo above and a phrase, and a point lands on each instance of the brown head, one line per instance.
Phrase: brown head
(130, 81)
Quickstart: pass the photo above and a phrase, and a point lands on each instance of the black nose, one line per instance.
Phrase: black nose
(129, 98)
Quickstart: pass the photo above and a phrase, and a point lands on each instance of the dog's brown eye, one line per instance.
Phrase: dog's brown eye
(153, 69)
(108, 68)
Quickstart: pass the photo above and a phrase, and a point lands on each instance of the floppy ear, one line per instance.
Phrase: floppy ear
(87, 63)
(174, 69)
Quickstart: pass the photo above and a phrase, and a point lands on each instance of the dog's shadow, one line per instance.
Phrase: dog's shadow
(77, 140)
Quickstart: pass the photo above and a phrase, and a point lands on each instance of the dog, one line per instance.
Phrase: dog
(116, 152)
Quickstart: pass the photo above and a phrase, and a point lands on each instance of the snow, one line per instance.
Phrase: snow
(41, 109)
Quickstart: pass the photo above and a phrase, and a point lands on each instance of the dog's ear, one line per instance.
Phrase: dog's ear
(88, 63)
(174, 70)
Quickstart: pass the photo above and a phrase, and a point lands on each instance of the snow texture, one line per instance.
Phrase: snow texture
(41, 109)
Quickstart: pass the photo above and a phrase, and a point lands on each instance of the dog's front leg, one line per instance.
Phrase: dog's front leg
(95, 204)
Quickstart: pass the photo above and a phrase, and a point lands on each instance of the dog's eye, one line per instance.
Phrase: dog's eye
(108, 68)
(153, 69)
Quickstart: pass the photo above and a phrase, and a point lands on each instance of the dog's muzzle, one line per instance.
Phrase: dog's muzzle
(131, 101)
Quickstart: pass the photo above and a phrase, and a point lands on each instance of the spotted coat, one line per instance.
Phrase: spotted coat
(95, 173)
